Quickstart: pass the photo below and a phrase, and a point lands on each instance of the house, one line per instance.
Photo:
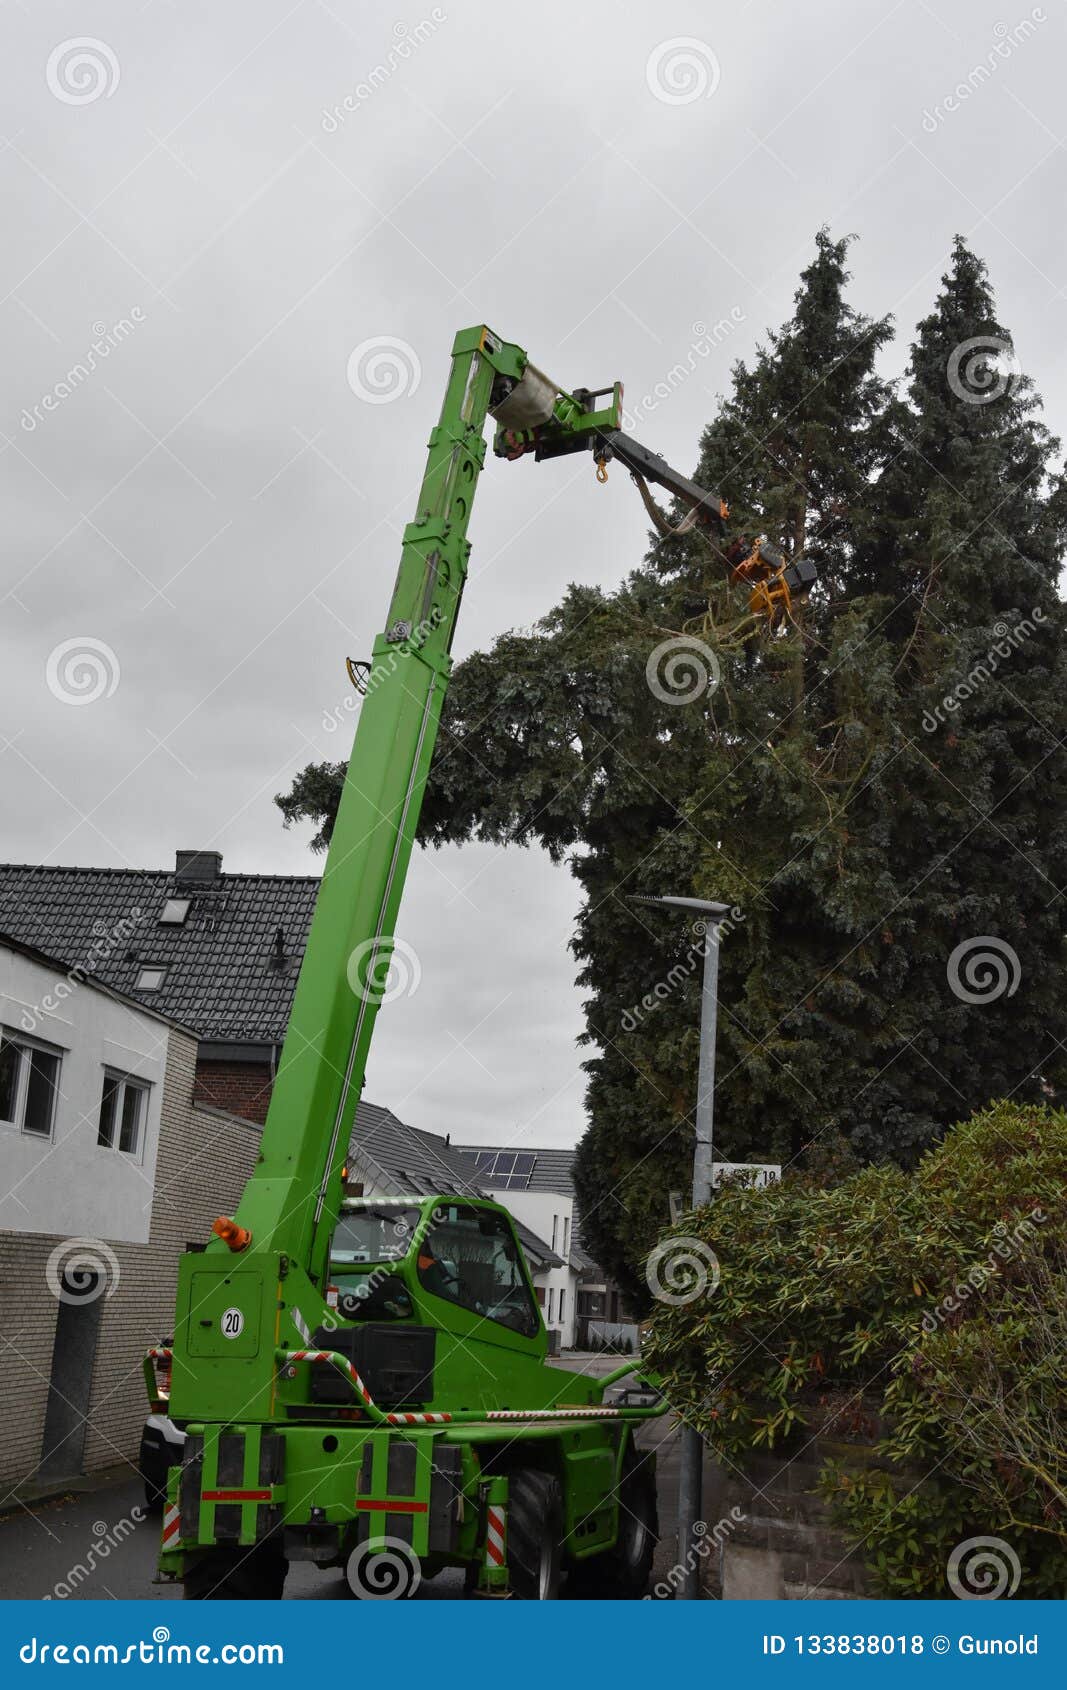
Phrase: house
(388, 1158)
(537, 1186)
(108, 1171)
(219, 953)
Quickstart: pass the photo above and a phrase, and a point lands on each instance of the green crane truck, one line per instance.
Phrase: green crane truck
(363, 1384)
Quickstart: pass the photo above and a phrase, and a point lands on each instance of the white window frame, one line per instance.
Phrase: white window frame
(17, 1122)
(124, 1082)
(555, 1233)
(563, 1305)
(566, 1238)
(552, 1305)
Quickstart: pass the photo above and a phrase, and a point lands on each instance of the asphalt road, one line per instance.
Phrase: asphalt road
(99, 1543)
(94, 1546)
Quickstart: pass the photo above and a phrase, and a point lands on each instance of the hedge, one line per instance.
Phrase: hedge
(936, 1299)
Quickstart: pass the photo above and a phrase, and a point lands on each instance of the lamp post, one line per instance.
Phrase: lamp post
(691, 1444)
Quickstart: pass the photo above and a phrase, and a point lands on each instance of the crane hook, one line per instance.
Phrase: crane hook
(602, 470)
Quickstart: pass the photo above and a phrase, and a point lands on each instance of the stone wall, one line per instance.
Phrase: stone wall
(784, 1547)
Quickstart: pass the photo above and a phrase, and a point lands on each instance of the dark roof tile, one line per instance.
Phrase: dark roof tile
(223, 978)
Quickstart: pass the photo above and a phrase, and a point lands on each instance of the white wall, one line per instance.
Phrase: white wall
(70, 1186)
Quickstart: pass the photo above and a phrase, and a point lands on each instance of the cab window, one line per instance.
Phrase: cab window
(379, 1233)
(470, 1257)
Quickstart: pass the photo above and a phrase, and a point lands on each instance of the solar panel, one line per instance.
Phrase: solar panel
(509, 1169)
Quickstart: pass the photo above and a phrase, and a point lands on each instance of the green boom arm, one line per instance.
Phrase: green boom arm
(291, 1202)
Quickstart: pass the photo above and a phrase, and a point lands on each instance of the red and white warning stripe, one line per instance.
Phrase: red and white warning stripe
(172, 1525)
(495, 1536)
(551, 1414)
(343, 1365)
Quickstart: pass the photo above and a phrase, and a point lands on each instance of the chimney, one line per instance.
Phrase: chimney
(197, 865)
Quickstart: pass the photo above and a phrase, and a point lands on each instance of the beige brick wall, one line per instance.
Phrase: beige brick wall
(204, 1158)
(27, 1331)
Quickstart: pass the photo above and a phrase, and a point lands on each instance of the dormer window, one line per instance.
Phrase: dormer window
(175, 911)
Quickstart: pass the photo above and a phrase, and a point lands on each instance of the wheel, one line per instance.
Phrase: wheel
(622, 1573)
(154, 1474)
(534, 1534)
(237, 1575)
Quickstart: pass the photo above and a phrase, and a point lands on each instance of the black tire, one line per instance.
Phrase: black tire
(534, 1535)
(622, 1573)
(154, 1473)
(237, 1575)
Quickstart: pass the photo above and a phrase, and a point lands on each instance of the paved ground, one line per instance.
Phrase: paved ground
(92, 1544)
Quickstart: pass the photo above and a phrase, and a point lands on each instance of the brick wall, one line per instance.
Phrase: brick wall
(204, 1160)
(243, 1088)
(27, 1332)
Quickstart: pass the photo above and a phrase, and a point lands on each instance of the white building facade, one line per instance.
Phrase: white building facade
(108, 1171)
(81, 1085)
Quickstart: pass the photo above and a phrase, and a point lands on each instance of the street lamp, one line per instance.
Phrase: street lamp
(691, 1445)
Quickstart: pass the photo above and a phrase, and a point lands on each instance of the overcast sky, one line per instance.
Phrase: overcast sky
(229, 200)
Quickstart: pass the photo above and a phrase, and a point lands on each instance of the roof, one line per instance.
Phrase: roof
(87, 977)
(543, 1168)
(507, 1168)
(227, 978)
(411, 1161)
